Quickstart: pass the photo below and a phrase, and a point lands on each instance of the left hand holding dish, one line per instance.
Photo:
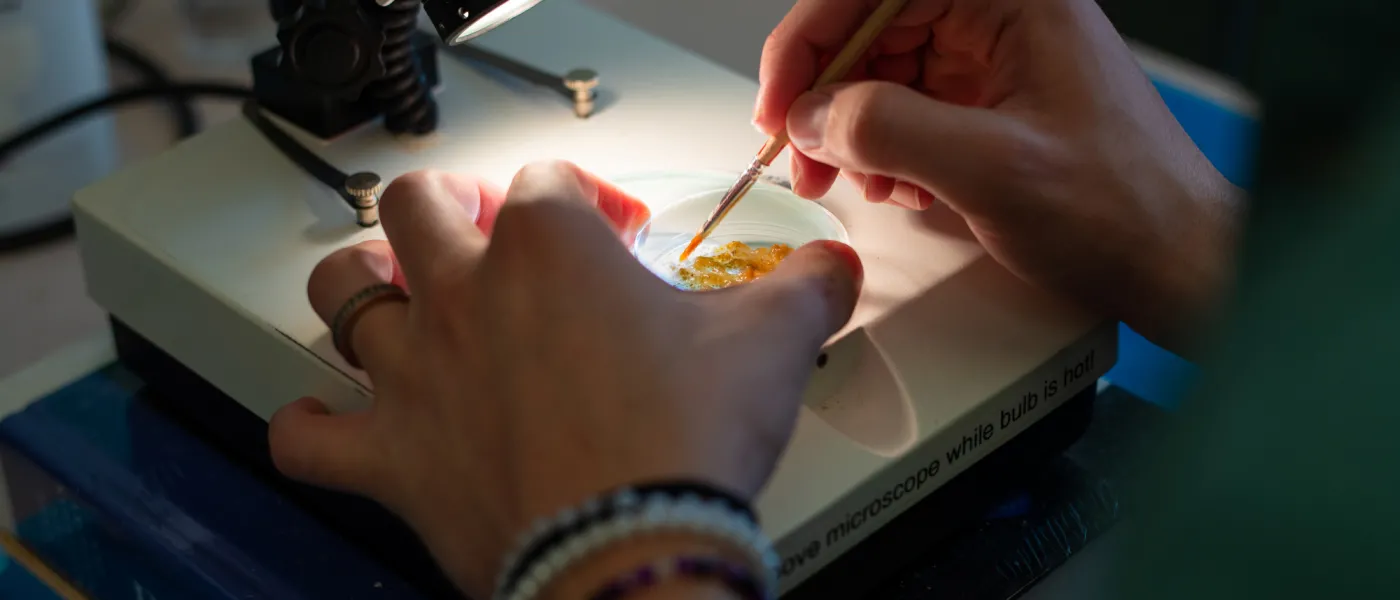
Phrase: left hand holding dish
(535, 363)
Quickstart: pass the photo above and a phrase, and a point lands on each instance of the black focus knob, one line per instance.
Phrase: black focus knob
(338, 50)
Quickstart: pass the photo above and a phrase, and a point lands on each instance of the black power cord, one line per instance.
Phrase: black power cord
(186, 119)
(63, 227)
(157, 86)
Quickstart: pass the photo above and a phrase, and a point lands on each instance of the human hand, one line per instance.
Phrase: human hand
(530, 372)
(1032, 121)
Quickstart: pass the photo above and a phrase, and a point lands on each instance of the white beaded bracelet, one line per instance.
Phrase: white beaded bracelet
(601, 523)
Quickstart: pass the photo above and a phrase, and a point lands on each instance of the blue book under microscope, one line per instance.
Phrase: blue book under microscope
(125, 503)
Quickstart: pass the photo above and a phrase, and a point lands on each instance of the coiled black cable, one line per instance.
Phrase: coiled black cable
(402, 93)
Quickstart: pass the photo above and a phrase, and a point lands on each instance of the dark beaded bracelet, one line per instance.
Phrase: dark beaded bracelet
(732, 576)
(607, 508)
(704, 491)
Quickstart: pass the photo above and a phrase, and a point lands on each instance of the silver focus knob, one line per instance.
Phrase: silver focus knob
(582, 82)
(365, 188)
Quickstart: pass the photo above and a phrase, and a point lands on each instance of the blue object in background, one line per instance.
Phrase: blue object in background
(18, 584)
(121, 500)
(1227, 137)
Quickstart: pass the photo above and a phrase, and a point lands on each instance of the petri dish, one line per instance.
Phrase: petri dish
(769, 214)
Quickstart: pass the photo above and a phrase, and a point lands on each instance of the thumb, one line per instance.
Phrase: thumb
(312, 445)
(810, 296)
(881, 128)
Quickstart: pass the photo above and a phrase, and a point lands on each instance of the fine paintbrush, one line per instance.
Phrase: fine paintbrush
(858, 45)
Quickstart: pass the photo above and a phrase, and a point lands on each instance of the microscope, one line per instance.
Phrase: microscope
(950, 367)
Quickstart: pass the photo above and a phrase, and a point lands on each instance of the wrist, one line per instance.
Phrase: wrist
(1190, 271)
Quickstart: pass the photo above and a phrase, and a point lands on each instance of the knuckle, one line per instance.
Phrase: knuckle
(325, 273)
(543, 184)
(775, 40)
(284, 441)
(412, 184)
(406, 189)
(341, 273)
(544, 175)
(824, 288)
(865, 128)
(802, 302)
(359, 260)
(554, 165)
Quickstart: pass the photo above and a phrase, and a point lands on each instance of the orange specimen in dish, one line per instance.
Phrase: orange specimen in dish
(731, 264)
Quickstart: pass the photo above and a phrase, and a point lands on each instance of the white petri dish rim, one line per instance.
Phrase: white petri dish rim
(767, 215)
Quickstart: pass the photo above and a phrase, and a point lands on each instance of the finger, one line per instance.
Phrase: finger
(903, 69)
(877, 188)
(911, 196)
(376, 334)
(430, 220)
(899, 40)
(492, 198)
(333, 451)
(856, 179)
(564, 183)
(627, 214)
(878, 128)
(811, 179)
(810, 296)
(791, 56)
(861, 181)
(864, 183)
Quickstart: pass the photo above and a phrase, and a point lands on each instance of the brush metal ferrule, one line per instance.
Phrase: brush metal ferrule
(731, 198)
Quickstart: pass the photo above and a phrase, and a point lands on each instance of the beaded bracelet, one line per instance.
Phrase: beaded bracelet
(735, 577)
(546, 533)
(554, 545)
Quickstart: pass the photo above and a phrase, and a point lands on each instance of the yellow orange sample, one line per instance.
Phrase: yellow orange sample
(731, 264)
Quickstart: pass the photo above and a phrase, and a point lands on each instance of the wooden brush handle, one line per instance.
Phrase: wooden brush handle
(840, 66)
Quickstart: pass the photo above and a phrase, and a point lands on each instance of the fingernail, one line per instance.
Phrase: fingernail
(467, 192)
(903, 201)
(852, 259)
(378, 263)
(807, 120)
(922, 200)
